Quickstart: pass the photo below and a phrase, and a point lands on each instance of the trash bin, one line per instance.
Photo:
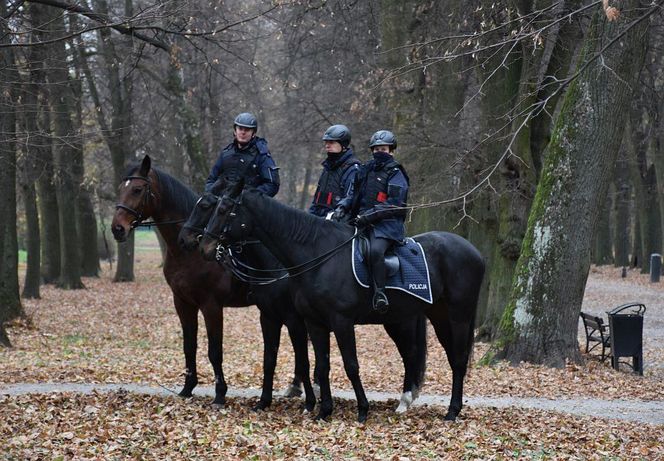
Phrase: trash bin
(626, 333)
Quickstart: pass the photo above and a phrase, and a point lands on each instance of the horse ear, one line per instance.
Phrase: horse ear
(145, 166)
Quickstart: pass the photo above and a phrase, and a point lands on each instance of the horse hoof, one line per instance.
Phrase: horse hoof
(217, 406)
(362, 419)
(321, 417)
(260, 406)
(185, 394)
(450, 416)
(309, 406)
(405, 402)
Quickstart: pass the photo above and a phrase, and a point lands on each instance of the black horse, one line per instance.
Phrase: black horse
(331, 300)
(200, 285)
(409, 337)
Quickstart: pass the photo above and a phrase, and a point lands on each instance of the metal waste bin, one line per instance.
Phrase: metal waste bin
(626, 334)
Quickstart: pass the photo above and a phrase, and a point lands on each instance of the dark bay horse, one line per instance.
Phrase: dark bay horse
(326, 293)
(410, 336)
(201, 285)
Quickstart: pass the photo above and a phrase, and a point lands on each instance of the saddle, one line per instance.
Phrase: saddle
(392, 264)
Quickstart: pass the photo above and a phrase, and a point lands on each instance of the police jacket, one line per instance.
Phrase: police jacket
(382, 185)
(253, 162)
(335, 182)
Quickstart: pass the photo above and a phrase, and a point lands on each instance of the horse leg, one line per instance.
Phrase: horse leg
(214, 324)
(320, 338)
(410, 339)
(456, 339)
(271, 337)
(298, 335)
(188, 316)
(345, 333)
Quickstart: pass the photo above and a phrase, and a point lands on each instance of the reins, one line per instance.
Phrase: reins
(225, 256)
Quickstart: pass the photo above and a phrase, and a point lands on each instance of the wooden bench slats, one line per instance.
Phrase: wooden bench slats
(596, 332)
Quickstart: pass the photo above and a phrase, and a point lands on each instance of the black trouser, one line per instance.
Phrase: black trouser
(377, 259)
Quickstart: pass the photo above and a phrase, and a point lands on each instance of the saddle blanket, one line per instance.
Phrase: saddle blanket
(412, 276)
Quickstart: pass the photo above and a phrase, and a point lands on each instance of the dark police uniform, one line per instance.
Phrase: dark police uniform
(335, 182)
(382, 185)
(253, 162)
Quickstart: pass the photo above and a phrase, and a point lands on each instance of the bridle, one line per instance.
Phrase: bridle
(225, 254)
(138, 214)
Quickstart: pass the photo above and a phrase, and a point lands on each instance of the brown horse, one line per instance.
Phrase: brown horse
(196, 284)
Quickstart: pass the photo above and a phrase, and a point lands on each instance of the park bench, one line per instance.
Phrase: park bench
(597, 332)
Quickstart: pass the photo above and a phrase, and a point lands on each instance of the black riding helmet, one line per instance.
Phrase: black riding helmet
(383, 138)
(338, 133)
(246, 120)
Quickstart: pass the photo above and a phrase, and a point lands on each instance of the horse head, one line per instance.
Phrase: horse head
(135, 200)
(192, 231)
(227, 223)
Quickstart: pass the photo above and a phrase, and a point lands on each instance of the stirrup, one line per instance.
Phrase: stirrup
(380, 302)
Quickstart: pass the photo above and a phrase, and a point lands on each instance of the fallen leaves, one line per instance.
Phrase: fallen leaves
(88, 336)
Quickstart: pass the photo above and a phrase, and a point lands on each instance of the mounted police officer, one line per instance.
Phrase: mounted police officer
(247, 156)
(339, 171)
(380, 193)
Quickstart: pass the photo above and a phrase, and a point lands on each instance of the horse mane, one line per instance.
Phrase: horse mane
(302, 227)
(175, 195)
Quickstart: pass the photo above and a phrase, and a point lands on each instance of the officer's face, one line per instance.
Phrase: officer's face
(243, 134)
(333, 147)
(385, 149)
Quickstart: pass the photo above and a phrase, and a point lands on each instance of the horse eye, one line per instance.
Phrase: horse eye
(204, 205)
(137, 190)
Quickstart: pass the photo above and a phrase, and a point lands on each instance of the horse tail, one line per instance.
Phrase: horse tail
(421, 344)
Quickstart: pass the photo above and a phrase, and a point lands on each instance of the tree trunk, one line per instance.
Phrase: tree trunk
(49, 227)
(43, 151)
(63, 104)
(86, 221)
(644, 178)
(603, 250)
(540, 322)
(118, 136)
(10, 301)
(32, 277)
(621, 233)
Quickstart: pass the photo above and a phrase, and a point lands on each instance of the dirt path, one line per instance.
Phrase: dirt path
(630, 410)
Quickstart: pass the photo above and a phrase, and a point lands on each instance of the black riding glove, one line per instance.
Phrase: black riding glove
(338, 214)
(362, 221)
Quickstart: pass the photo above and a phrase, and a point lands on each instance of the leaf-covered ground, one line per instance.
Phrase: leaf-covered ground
(121, 333)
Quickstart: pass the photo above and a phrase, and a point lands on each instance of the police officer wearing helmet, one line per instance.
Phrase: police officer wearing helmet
(339, 171)
(380, 193)
(247, 156)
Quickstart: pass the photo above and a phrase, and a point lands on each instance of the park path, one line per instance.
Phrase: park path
(630, 410)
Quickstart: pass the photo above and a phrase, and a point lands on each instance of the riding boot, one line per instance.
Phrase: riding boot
(377, 260)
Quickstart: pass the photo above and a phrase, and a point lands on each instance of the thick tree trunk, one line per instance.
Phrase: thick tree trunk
(622, 221)
(10, 301)
(63, 105)
(521, 87)
(540, 322)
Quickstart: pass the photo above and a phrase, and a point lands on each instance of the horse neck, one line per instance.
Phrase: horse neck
(274, 224)
(163, 213)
